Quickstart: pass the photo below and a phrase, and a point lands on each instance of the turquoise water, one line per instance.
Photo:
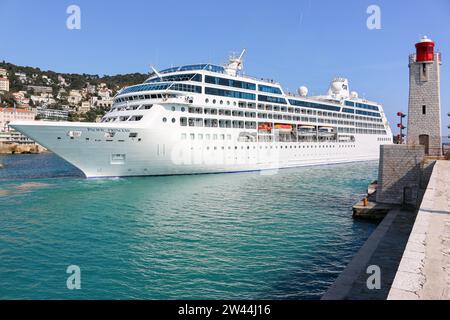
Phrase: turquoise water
(226, 236)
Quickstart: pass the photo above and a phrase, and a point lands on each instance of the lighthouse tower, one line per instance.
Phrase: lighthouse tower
(424, 111)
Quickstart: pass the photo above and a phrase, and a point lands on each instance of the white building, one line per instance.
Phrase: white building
(104, 93)
(3, 73)
(21, 76)
(104, 103)
(20, 98)
(53, 114)
(44, 98)
(85, 107)
(40, 89)
(9, 135)
(75, 97)
(4, 84)
(90, 89)
(11, 114)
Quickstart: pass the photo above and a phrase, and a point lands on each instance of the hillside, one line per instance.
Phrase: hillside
(74, 81)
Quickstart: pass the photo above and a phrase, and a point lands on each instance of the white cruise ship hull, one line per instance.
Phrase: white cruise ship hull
(115, 150)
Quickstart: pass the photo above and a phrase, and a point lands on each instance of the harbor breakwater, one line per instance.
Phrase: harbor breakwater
(409, 249)
(16, 148)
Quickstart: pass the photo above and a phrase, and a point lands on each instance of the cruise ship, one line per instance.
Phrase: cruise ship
(207, 118)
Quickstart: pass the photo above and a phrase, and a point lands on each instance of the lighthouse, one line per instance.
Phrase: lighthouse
(424, 108)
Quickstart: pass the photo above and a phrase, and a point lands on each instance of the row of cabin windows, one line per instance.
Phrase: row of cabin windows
(123, 118)
(134, 107)
(200, 136)
(207, 136)
(180, 77)
(260, 115)
(237, 124)
(230, 83)
(269, 107)
(241, 84)
(162, 86)
(215, 123)
(370, 131)
(361, 105)
(143, 97)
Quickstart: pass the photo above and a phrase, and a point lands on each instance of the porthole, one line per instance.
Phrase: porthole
(164, 120)
(173, 120)
(214, 101)
(183, 109)
(221, 101)
(173, 108)
(207, 100)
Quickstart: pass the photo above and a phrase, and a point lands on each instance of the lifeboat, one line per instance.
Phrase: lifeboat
(264, 127)
(306, 130)
(326, 131)
(283, 127)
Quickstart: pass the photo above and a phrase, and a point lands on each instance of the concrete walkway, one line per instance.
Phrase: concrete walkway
(383, 249)
(424, 270)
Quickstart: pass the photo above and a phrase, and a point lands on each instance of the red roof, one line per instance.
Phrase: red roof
(17, 110)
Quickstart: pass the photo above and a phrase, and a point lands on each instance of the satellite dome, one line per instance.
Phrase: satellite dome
(303, 91)
(354, 95)
(336, 86)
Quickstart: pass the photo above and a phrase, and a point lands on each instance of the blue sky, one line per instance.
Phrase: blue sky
(294, 42)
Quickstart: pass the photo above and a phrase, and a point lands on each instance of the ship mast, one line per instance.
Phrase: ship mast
(235, 64)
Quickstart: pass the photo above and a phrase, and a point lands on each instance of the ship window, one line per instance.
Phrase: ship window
(183, 122)
(269, 89)
(230, 83)
(133, 135)
(136, 118)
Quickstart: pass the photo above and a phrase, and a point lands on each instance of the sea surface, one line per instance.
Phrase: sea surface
(284, 235)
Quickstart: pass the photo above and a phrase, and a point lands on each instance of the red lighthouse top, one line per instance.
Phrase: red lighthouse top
(425, 50)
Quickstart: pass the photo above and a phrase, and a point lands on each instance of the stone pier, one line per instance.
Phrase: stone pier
(424, 270)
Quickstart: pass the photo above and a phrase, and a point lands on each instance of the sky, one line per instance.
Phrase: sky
(295, 42)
